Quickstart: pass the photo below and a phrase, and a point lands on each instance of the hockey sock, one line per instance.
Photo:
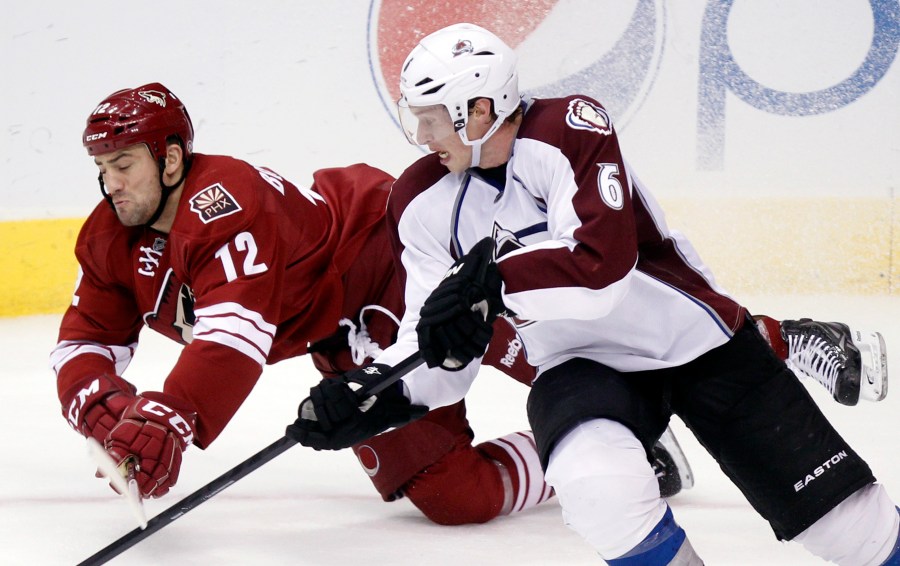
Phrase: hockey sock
(771, 331)
(894, 558)
(517, 458)
(666, 544)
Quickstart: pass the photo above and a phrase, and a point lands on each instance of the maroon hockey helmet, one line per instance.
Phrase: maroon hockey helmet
(149, 114)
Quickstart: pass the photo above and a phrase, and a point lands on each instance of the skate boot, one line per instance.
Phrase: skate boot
(671, 466)
(851, 365)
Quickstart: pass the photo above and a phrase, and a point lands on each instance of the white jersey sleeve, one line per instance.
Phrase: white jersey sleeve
(422, 236)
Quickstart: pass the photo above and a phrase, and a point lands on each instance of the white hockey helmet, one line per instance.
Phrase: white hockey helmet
(449, 68)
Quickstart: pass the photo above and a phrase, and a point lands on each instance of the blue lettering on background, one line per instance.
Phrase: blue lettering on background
(622, 78)
(720, 73)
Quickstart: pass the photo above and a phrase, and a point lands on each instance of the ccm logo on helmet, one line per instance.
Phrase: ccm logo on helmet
(95, 137)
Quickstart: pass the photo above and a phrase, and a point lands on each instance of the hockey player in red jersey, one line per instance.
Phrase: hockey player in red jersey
(244, 268)
(527, 210)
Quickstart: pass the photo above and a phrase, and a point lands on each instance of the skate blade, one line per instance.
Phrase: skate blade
(684, 469)
(873, 383)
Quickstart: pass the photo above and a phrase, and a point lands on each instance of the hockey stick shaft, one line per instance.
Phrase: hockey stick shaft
(191, 501)
(396, 373)
(219, 484)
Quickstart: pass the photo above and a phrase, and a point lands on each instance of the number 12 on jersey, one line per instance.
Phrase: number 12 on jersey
(243, 243)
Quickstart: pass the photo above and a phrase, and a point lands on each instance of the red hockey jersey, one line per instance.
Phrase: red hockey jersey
(250, 273)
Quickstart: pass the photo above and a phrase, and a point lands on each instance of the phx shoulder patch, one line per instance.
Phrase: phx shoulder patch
(584, 115)
(214, 202)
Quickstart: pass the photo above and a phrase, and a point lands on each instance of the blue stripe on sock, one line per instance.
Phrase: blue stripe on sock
(658, 548)
(894, 558)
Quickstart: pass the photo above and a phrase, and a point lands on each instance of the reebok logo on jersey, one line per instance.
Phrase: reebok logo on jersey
(826, 466)
(214, 202)
(514, 346)
(584, 115)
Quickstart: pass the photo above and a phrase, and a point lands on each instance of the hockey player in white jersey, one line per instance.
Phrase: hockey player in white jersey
(528, 210)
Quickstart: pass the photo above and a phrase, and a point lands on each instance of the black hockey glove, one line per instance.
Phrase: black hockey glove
(456, 321)
(334, 417)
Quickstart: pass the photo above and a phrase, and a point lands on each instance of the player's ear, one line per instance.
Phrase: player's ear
(174, 158)
(481, 111)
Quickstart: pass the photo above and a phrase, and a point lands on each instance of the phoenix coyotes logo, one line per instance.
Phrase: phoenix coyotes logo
(584, 115)
(214, 202)
(154, 96)
(173, 315)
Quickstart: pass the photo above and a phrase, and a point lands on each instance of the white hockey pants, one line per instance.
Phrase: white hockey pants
(606, 487)
(861, 531)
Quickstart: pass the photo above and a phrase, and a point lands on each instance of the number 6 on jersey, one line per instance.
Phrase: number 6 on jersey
(610, 187)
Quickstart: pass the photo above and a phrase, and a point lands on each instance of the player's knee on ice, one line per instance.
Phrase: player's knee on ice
(463, 487)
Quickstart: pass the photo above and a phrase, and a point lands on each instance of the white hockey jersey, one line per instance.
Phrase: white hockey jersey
(588, 263)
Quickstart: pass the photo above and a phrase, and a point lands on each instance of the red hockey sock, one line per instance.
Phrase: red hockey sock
(517, 456)
(771, 331)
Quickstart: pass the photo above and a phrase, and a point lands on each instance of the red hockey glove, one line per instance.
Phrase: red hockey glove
(153, 432)
(94, 405)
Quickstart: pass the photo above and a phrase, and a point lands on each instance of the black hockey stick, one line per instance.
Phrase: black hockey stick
(191, 501)
(219, 484)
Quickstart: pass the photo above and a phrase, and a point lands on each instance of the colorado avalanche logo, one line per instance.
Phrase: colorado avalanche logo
(584, 115)
(506, 240)
(214, 202)
(616, 68)
(462, 47)
(154, 96)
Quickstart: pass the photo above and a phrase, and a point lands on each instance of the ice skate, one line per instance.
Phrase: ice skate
(850, 364)
(671, 466)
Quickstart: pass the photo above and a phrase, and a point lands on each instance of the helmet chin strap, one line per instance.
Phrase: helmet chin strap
(476, 144)
(165, 190)
(476, 154)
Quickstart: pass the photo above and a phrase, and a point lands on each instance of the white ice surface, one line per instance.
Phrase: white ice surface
(311, 508)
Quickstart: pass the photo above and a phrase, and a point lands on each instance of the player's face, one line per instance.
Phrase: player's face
(424, 125)
(455, 155)
(131, 177)
(431, 127)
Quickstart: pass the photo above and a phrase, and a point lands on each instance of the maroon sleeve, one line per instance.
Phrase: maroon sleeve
(101, 325)
(602, 220)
